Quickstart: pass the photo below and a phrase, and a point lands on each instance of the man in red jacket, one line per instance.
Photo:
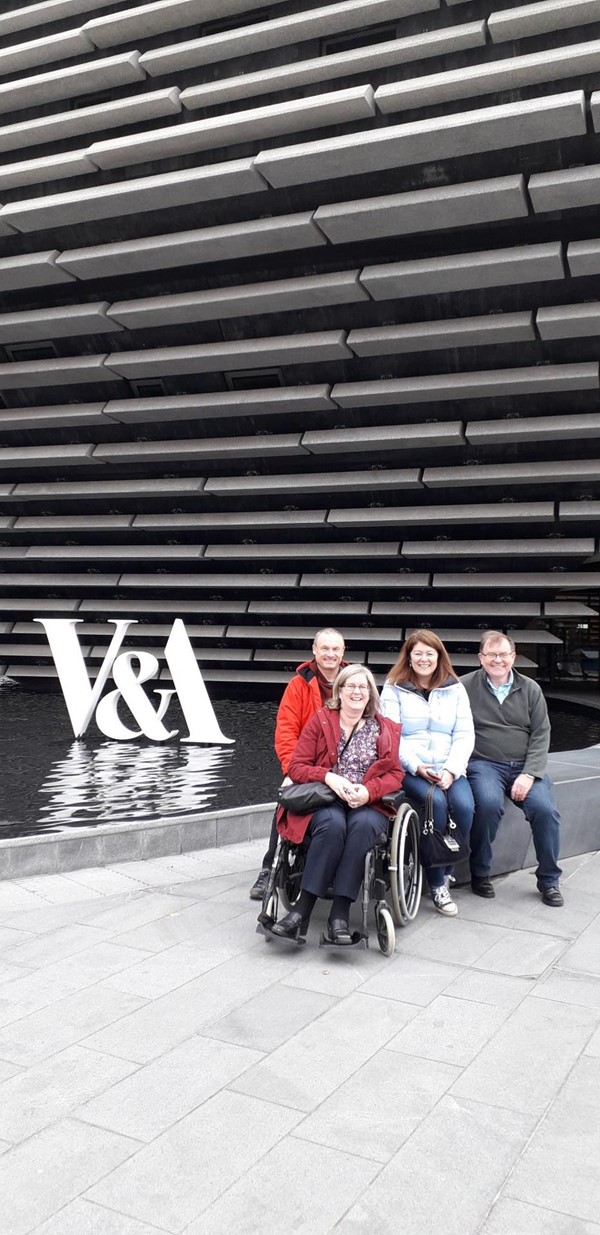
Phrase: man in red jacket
(308, 690)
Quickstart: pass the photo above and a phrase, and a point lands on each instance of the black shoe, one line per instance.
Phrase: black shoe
(291, 926)
(482, 885)
(259, 888)
(551, 895)
(338, 931)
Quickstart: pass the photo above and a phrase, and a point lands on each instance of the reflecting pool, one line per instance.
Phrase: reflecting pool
(51, 783)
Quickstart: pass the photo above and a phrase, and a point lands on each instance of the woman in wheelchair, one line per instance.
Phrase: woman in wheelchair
(424, 694)
(353, 749)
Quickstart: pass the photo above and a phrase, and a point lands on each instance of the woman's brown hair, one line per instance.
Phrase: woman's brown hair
(403, 672)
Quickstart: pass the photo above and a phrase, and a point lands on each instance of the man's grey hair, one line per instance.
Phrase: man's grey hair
(495, 636)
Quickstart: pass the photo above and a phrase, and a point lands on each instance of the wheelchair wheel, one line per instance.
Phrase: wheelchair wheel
(386, 935)
(290, 876)
(406, 875)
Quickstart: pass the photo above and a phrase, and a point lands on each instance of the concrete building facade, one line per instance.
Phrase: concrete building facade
(299, 324)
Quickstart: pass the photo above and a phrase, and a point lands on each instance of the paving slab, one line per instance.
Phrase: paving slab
(559, 1168)
(164, 1069)
(453, 1164)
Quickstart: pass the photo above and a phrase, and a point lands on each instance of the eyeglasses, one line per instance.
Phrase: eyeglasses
(363, 690)
(497, 655)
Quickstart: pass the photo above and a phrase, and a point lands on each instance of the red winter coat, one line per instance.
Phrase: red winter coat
(316, 753)
(300, 700)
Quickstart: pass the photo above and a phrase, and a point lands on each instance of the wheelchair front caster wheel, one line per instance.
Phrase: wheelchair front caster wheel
(386, 935)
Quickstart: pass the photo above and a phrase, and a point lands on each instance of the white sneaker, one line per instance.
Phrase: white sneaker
(443, 901)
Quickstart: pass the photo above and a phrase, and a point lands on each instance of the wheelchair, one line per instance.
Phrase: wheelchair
(392, 868)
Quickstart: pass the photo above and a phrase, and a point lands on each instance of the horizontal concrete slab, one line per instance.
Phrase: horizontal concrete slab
(62, 416)
(52, 47)
(550, 118)
(275, 296)
(45, 456)
(483, 474)
(542, 18)
(85, 120)
(476, 512)
(208, 244)
(60, 321)
(209, 448)
(239, 354)
(65, 371)
(301, 633)
(551, 65)
(568, 321)
(565, 190)
(221, 403)
(415, 47)
(535, 428)
(233, 520)
(48, 168)
(584, 257)
(158, 17)
(172, 486)
(34, 15)
(459, 609)
(463, 271)
(384, 437)
(492, 382)
(232, 129)
(132, 196)
(530, 579)
(318, 482)
(114, 553)
(408, 580)
(32, 270)
(311, 549)
(198, 580)
(525, 546)
(278, 32)
(449, 205)
(492, 328)
(70, 81)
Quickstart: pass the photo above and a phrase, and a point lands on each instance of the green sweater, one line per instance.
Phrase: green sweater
(519, 728)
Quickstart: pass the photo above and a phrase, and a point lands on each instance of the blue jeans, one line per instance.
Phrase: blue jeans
(340, 838)
(460, 800)
(490, 783)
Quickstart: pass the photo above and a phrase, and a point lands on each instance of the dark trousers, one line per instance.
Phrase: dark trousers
(340, 838)
(269, 857)
(491, 783)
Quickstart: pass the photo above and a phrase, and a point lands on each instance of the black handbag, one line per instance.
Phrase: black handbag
(304, 797)
(440, 848)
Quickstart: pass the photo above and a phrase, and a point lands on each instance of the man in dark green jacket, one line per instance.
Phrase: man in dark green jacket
(512, 735)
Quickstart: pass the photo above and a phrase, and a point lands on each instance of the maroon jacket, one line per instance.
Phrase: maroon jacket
(316, 753)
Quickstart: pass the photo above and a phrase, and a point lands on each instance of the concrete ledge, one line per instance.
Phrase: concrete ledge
(125, 842)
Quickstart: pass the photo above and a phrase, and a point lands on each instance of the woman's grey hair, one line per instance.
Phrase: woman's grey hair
(350, 671)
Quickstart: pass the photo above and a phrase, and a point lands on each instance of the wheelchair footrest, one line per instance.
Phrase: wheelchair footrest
(358, 940)
(265, 926)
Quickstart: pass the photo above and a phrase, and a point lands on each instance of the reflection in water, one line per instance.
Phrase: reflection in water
(130, 781)
(50, 783)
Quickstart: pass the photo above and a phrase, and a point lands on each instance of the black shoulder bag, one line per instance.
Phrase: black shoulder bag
(440, 848)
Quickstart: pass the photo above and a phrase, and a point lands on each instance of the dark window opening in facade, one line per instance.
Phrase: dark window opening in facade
(358, 38)
(17, 352)
(254, 379)
(151, 388)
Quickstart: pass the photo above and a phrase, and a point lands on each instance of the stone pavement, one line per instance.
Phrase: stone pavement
(164, 1069)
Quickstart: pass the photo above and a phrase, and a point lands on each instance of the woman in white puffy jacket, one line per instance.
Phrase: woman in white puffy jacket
(424, 694)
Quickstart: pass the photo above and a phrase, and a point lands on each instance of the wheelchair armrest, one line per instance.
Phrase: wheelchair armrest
(395, 800)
